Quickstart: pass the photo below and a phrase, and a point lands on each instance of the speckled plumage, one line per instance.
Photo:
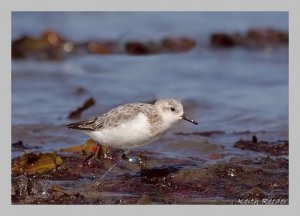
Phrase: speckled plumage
(117, 116)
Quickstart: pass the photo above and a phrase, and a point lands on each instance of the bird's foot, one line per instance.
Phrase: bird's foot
(101, 152)
(97, 153)
(93, 156)
(137, 160)
(87, 159)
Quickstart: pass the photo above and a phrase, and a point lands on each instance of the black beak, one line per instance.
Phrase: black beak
(189, 120)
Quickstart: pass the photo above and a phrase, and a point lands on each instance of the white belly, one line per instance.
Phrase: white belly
(131, 134)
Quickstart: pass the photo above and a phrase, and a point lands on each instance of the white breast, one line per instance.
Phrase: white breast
(131, 134)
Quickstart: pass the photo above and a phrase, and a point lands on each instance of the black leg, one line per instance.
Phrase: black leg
(98, 152)
(91, 154)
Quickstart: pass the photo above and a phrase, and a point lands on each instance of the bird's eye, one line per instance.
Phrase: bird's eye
(172, 109)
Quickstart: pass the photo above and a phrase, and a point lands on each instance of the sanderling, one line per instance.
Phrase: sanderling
(133, 125)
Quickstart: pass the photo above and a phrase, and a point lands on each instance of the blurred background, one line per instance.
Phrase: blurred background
(230, 70)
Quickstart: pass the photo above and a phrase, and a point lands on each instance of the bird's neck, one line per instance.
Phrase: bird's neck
(168, 122)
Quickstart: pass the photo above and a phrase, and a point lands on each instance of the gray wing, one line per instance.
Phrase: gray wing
(112, 118)
(83, 125)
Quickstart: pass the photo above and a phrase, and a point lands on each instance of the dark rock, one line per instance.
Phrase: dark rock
(47, 46)
(157, 175)
(139, 48)
(202, 133)
(20, 146)
(222, 40)
(268, 36)
(100, 47)
(254, 38)
(18, 50)
(229, 171)
(25, 187)
(33, 163)
(263, 146)
(172, 44)
(52, 38)
(254, 139)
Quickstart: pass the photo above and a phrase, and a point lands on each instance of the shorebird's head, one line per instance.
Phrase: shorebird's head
(172, 111)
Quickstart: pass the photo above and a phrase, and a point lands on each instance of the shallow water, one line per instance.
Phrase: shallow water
(228, 90)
